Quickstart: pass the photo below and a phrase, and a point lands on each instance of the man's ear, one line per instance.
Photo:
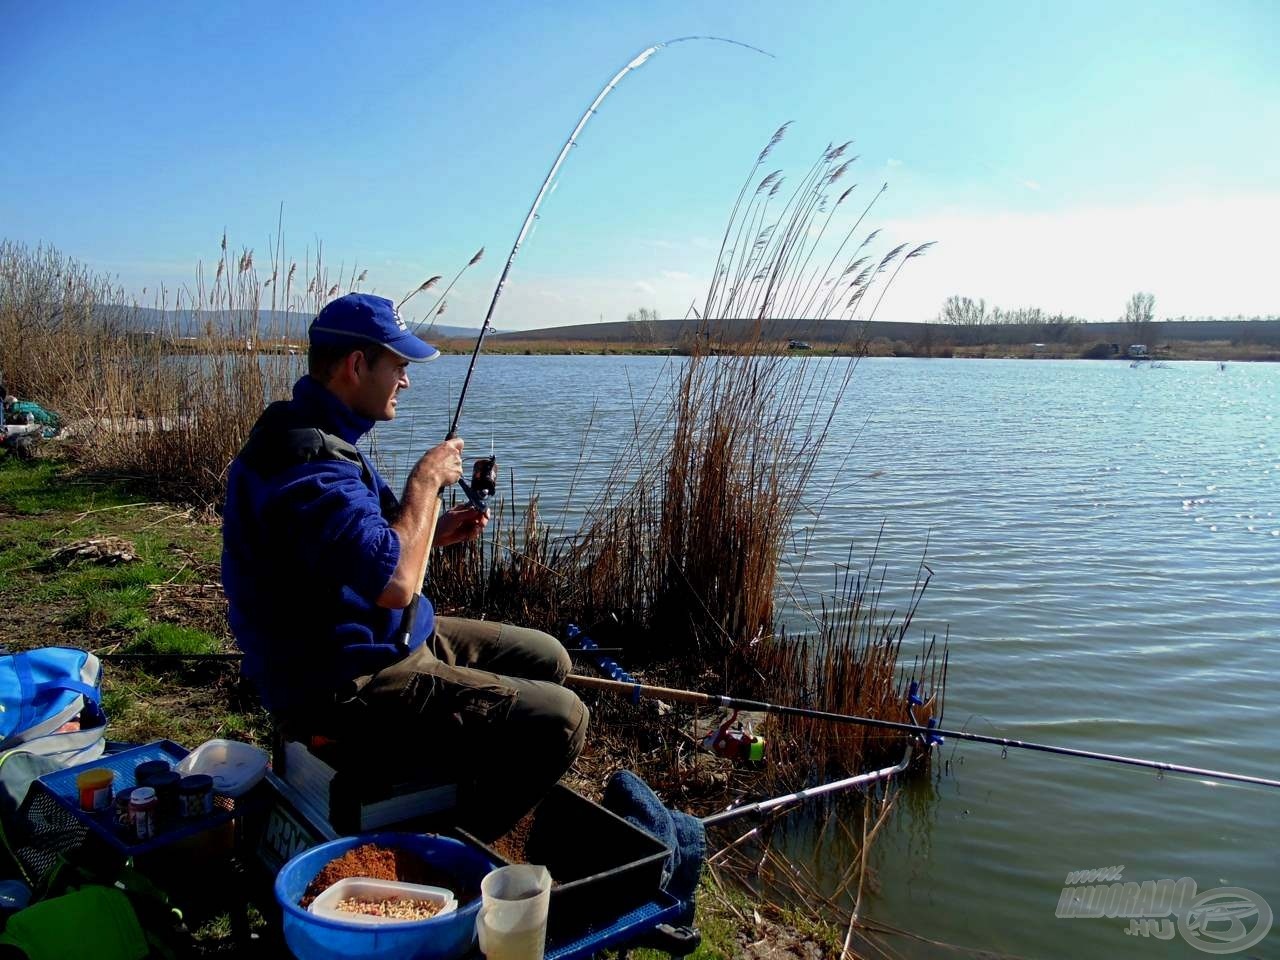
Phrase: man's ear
(347, 371)
(354, 365)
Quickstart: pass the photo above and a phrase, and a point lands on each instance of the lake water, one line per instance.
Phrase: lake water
(1105, 544)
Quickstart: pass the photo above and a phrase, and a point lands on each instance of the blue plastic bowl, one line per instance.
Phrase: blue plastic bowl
(312, 937)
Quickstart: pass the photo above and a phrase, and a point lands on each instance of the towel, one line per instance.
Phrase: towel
(627, 795)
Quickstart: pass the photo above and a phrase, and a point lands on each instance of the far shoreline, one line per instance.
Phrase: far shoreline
(1173, 351)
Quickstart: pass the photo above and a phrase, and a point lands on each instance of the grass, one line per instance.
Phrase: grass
(154, 604)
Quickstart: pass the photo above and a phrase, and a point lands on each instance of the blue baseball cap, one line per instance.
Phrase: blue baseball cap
(362, 316)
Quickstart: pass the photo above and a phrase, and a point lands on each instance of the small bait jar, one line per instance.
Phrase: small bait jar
(142, 812)
(143, 772)
(195, 796)
(94, 787)
(166, 787)
(122, 808)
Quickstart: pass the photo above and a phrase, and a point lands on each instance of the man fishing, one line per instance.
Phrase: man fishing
(321, 563)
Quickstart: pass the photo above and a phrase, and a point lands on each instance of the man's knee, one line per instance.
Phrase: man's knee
(553, 653)
(554, 718)
(578, 734)
(563, 662)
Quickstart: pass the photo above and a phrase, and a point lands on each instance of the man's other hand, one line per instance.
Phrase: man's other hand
(459, 524)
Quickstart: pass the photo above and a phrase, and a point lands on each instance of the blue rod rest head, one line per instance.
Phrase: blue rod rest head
(913, 694)
(933, 739)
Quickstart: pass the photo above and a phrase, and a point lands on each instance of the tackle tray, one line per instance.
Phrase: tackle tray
(601, 866)
(61, 786)
(616, 933)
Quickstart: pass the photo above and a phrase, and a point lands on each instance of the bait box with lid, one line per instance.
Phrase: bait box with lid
(601, 865)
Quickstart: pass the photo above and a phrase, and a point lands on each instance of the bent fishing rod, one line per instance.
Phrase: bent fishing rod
(637, 690)
(483, 475)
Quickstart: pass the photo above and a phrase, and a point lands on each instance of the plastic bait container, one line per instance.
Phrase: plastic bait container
(235, 767)
(367, 888)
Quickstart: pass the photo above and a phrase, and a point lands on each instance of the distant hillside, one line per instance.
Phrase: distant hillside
(673, 331)
(189, 323)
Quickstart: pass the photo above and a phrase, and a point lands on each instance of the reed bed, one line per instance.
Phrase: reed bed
(166, 392)
(681, 547)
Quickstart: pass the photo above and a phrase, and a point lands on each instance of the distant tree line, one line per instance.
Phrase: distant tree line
(974, 322)
(644, 323)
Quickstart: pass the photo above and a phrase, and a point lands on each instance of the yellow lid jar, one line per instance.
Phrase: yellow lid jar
(95, 788)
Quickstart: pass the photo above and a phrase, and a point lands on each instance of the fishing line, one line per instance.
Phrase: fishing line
(545, 189)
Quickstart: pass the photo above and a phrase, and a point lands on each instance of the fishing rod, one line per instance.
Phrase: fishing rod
(236, 657)
(637, 690)
(486, 474)
(779, 804)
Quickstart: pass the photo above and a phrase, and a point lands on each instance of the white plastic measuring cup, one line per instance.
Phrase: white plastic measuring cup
(512, 923)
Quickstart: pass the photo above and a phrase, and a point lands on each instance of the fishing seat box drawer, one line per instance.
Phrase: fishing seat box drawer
(601, 865)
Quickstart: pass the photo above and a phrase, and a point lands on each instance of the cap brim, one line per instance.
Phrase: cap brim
(412, 348)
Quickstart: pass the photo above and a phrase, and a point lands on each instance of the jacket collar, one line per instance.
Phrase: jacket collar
(314, 398)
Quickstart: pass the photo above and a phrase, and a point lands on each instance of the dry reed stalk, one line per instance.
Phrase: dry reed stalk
(437, 308)
(167, 394)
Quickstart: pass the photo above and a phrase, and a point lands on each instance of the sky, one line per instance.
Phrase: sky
(1062, 155)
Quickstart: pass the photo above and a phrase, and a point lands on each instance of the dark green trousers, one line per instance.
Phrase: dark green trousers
(480, 702)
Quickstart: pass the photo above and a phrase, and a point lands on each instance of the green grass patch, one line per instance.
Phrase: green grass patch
(45, 486)
(116, 702)
(171, 638)
(124, 610)
(85, 580)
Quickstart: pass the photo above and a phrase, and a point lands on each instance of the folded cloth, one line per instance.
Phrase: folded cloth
(627, 795)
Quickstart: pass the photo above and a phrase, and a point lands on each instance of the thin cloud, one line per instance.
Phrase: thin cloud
(1088, 260)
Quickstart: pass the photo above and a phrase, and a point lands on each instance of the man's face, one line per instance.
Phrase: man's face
(379, 383)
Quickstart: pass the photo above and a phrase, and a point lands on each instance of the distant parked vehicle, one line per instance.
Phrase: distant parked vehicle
(1138, 351)
(798, 345)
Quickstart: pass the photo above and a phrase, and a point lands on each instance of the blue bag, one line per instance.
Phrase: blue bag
(41, 691)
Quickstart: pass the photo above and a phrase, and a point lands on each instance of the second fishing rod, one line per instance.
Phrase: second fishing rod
(931, 731)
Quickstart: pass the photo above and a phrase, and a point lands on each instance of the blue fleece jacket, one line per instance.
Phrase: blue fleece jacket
(306, 550)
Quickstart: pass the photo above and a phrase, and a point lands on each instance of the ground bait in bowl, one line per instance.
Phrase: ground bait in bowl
(383, 863)
(395, 908)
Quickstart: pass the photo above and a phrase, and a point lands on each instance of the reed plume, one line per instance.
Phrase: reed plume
(425, 285)
(434, 312)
